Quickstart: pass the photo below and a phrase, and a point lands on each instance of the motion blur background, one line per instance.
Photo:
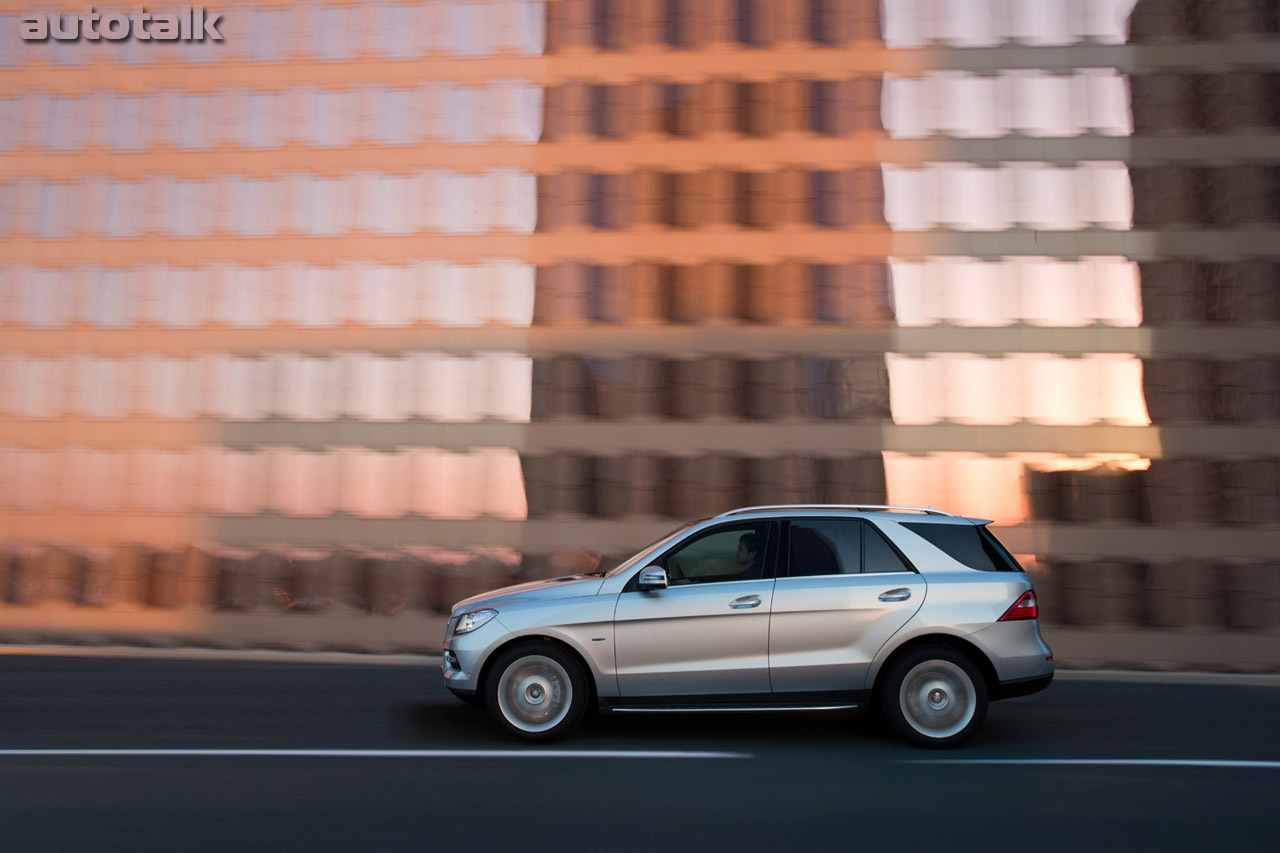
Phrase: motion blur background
(309, 333)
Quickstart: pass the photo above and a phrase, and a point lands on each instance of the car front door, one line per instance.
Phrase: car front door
(708, 631)
(843, 591)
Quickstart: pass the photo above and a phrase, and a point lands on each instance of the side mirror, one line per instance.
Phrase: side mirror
(652, 578)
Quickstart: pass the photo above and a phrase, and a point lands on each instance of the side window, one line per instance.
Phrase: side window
(967, 544)
(731, 553)
(826, 546)
(879, 556)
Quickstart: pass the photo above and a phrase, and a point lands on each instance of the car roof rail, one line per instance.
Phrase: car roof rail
(858, 507)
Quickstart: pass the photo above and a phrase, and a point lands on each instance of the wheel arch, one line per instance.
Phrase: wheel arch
(486, 669)
(968, 649)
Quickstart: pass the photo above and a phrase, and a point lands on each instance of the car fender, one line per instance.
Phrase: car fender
(585, 625)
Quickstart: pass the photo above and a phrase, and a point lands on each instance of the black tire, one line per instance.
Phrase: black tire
(934, 697)
(536, 691)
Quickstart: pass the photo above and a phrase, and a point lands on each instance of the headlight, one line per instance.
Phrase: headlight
(468, 622)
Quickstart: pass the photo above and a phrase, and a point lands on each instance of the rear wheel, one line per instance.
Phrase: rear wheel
(934, 697)
(536, 691)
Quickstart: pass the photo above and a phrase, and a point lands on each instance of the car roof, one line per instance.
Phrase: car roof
(916, 513)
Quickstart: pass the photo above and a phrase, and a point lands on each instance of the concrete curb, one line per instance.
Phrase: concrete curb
(1130, 676)
(1118, 676)
(137, 626)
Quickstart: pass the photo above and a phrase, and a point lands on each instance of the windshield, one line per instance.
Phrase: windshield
(651, 547)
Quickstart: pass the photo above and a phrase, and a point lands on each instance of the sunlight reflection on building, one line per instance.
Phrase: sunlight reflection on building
(981, 389)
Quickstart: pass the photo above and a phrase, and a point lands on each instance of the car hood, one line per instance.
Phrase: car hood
(573, 586)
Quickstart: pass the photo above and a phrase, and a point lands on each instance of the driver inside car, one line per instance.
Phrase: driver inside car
(748, 556)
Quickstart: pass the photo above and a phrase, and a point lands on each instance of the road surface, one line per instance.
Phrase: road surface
(126, 754)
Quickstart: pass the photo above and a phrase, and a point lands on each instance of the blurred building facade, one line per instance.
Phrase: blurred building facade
(421, 281)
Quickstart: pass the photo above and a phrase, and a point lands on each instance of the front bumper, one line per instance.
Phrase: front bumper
(463, 657)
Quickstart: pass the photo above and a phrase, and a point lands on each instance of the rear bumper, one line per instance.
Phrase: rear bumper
(1016, 650)
(1021, 687)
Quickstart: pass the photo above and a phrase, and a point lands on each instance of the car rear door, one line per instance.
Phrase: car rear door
(843, 590)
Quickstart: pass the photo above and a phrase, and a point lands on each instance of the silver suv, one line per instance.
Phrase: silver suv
(921, 613)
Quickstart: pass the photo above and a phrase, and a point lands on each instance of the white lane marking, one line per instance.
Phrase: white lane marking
(366, 753)
(1102, 762)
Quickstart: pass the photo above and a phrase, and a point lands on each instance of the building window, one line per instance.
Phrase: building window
(750, 199)
(593, 285)
(604, 201)
(595, 200)
(604, 24)
(260, 125)
(166, 387)
(64, 129)
(11, 125)
(377, 388)
(235, 388)
(668, 199)
(673, 29)
(336, 28)
(108, 298)
(677, 108)
(302, 482)
(398, 31)
(742, 108)
(748, 301)
(511, 291)
(372, 484)
(306, 388)
(98, 387)
(822, 107)
(508, 382)
(745, 29)
(55, 204)
(669, 303)
(823, 292)
(606, 293)
(600, 115)
(464, 113)
(1267, 15)
(527, 27)
(231, 482)
(465, 29)
(12, 51)
(753, 110)
(855, 293)
(98, 480)
(823, 199)
(820, 30)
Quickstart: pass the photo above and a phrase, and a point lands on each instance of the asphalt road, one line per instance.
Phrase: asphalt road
(834, 780)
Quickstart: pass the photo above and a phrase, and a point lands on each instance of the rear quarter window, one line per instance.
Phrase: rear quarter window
(967, 544)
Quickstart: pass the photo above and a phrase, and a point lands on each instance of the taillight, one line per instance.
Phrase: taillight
(1024, 608)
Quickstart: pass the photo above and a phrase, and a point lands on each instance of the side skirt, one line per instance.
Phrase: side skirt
(842, 700)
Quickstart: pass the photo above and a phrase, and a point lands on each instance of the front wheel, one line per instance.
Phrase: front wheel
(934, 697)
(536, 691)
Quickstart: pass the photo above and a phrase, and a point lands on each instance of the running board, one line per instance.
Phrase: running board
(697, 709)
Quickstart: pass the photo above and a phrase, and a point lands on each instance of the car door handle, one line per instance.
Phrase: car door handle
(745, 602)
(899, 594)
